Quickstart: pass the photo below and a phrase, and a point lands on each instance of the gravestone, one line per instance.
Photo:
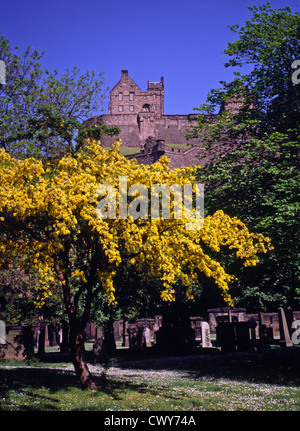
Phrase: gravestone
(87, 331)
(19, 343)
(125, 335)
(147, 337)
(222, 314)
(196, 326)
(99, 333)
(137, 340)
(205, 335)
(64, 337)
(176, 332)
(270, 335)
(198, 334)
(226, 336)
(232, 336)
(263, 336)
(47, 341)
(285, 339)
(52, 335)
(242, 336)
(2, 332)
(41, 340)
(155, 330)
(252, 325)
(100, 351)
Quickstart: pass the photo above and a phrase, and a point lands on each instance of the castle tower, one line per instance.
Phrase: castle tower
(126, 97)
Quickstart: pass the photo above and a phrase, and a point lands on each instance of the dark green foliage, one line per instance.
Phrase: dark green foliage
(253, 172)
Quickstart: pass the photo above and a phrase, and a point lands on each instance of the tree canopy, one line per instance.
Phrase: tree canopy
(49, 223)
(253, 147)
(42, 113)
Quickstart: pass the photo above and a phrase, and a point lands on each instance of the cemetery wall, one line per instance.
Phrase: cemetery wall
(220, 314)
(16, 342)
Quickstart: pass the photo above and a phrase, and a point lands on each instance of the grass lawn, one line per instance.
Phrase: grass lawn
(181, 146)
(126, 151)
(267, 381)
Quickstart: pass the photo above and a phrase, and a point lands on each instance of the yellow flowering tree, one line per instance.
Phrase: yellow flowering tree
(49, 215)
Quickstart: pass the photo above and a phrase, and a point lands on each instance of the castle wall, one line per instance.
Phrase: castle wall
(177, 156)
(135, 129)
(128, 124)
(172, 128)
(182, 158)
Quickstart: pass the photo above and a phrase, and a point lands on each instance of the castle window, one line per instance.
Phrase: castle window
(131, 108)
(131, 96)
(120, 96)
(146, 107)
(120, 108)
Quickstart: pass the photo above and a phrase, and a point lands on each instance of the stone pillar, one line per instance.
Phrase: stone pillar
(205, 335)
(147, 337)
(285, 340)
(125, 335)
(2, 332)
(47, 342)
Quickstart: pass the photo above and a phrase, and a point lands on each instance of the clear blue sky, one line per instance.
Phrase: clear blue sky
(181, 40)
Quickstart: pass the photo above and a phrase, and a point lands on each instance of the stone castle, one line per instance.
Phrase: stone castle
(144, 126)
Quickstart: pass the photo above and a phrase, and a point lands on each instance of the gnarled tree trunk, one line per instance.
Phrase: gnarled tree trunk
(78, 324)
(77, 355)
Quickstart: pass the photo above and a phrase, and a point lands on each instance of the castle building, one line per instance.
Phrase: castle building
(126, 98)
(144, 126)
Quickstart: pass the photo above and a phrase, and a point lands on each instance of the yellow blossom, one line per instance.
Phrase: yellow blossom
(53, 209)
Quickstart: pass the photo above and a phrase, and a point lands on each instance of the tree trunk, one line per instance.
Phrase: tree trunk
(77, 355)
(77, 325)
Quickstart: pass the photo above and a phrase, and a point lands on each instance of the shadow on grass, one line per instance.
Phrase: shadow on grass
(26, 380)
(273, 366)
(277, 367)
(30, 383)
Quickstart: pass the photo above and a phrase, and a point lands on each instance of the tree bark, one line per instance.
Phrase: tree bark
(78, 324)
(77, 356)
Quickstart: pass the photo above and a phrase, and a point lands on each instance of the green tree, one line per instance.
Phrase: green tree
(43, 114)
(19, 94)
(253, 147)
(49, 134)
(269, 43)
